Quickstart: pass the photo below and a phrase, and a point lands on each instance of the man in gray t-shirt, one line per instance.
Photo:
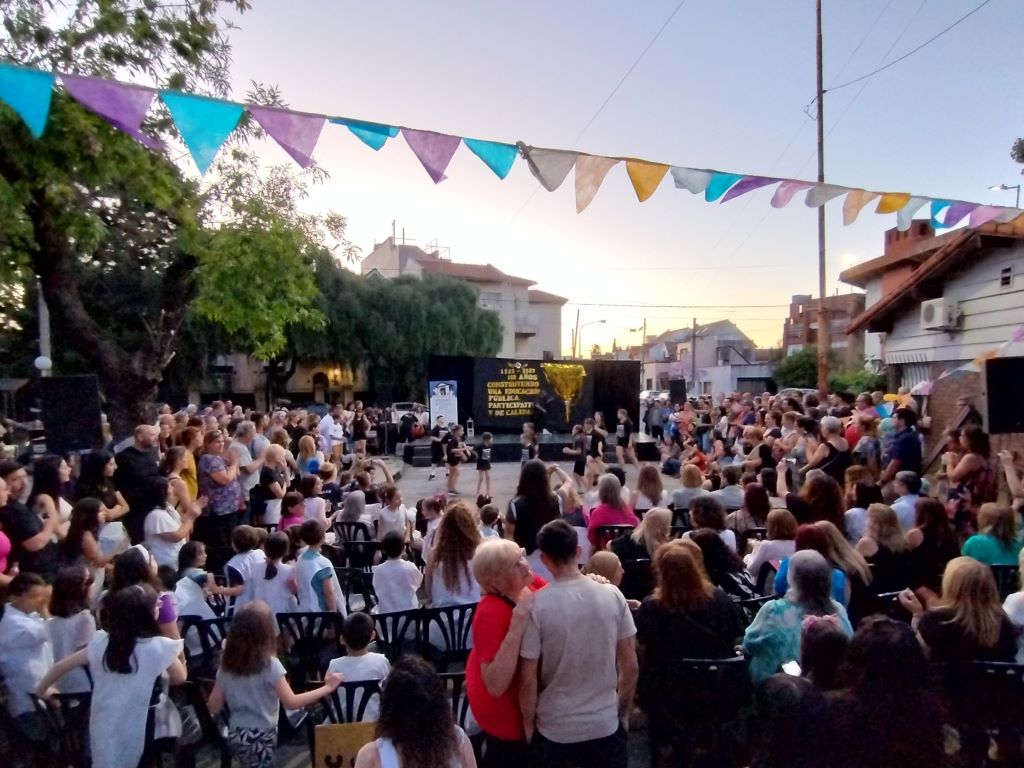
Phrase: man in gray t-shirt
(578, 664)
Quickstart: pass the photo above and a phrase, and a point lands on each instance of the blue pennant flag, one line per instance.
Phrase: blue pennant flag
(938, 206)
(498, 157)
(373, 135)
(204, 124)
(720, 184)
(28, 92)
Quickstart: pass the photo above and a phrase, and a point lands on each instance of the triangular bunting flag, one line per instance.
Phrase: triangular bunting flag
(498, 157)
(855, 201)
(297, 133)
(820, 194)
(891, 202)
(786, 191)
(719, 185)
(645, 177)
(958, 212)
(905, 215)
(549, 166)
(984, 213)
(28, 92)
(123, 106)
(373, 135)
(937, 207)
(204, 124)
(590, 172)
(434, 150)
(693, 180)
(747, 184)
(1008, 215)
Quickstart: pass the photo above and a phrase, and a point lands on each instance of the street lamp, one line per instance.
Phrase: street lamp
(576, 334)
(1007, 188)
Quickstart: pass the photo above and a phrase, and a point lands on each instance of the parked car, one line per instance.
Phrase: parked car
(398, 410)
(797, 392)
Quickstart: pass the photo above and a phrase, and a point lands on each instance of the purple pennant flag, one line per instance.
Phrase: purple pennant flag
(434, 150)
(747, 184)
(957, 212)
(123, 106)
(297, 133)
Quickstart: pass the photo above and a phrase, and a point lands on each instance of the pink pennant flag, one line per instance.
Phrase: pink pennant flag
(1018, 335)
(123, 106)
(297, 133)
(984, 213)
(746, 184)
(590, 173)
(434, 150)
(786, 191)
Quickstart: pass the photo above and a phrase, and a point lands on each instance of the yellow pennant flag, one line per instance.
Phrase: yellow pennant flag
(892, 202)
(856, 199)
(645, 177)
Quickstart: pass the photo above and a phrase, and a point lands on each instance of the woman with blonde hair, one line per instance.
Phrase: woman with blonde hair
(693, 486)
(884, 546)
(447, 577)
(997, 542)
(309, 459)
(649, 492)
(780, 542)
(654, 530)
(968, 624)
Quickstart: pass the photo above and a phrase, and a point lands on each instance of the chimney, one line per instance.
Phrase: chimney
(896, 241)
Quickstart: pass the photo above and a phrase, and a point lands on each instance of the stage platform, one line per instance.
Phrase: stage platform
(507, 448)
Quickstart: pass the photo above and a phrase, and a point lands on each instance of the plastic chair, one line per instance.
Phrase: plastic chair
(681, 519)
(346, 704)
(455, 685)
(987, 697)
(699, 701)
(360, 554)
(67, 720)
(211, 634)
(766, 578)
(751, 534)
(394, 629)
(352, 531)
(455, 623)
(311, 633)
(214, 728)
(637, 579)
(1007, 579)
(355, 582)
(752, 606)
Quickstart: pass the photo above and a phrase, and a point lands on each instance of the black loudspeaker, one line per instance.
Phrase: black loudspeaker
(71, 413)
(1003, 376)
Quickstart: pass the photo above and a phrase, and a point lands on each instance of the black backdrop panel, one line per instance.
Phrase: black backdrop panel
(71, 413)
(1003, 377)
(500, 394)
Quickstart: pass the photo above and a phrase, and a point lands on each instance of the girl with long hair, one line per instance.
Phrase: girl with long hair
(649, 492)
(51, 475)
(275, 586)
(251, 681)
(123, 662)
(178, 494)
(722, 565)
(447, 576)
(654, 530)
(533, 506)
(71, 625)
(932, 545)
(972, 478)
(416, 728)
(96, 481)
(136, 567)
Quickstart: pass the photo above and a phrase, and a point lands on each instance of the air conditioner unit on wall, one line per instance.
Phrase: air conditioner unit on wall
(939, 315)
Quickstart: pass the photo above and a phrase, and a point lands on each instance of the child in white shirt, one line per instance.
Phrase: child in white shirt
(275, 585)
(395, 580)
(317, 583)
(359, 664)
(489, 515)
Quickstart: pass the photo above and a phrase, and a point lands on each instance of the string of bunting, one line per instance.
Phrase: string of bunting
(205, 124)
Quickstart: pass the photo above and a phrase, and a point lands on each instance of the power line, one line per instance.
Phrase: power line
(678, 306)
(911, 52)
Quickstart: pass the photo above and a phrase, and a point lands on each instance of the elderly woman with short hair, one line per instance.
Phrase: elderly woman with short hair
(773, 638)
(507, 584)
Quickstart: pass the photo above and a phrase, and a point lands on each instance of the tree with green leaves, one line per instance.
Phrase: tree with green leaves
(123, 244)
(799, 369)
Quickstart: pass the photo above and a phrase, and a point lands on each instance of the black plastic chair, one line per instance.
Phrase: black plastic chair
(455, 685)
(678, 531)
(1007, 579)
(750, 607)
(347, 703)
(211, 634)
(699, 703)
(749, 535)
(766, 578)
(398, 631)
(986, 697)
(66, 716)
(214, 728)
(355, 582)
(352, 531)
(637, 579)
(311, 635)
(360, 554)
(454, 623)
(605, 533)
(269, 527)
(681, 519)
(232, 578)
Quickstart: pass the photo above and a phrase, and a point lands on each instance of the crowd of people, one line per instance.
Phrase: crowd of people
(804, 541)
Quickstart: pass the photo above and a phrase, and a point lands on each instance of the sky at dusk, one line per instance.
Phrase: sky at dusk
(725, 87)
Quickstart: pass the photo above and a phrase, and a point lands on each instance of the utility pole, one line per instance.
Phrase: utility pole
(575, 334)
(824, 332)
(693, 357)
(643, 357)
